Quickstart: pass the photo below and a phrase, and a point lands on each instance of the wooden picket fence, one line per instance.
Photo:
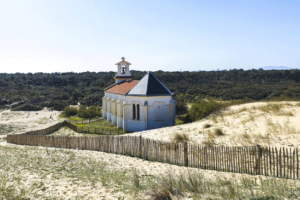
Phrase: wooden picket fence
(92, 130)
(269, 161)
(48, 130)
(83, 121)
(99, 131)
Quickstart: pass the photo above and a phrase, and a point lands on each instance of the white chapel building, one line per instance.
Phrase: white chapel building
(137, 105)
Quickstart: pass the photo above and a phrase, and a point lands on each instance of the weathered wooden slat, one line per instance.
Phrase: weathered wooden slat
(266, 160)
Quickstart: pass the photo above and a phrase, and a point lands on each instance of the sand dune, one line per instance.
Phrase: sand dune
(256, 123)
(267, 124)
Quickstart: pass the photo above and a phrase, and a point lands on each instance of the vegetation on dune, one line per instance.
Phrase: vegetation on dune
(202, 108)
(206, 125)
(82, 112)
(181, 107)
(219, 132)
(27, 107)
(80, 170)
(180, 138)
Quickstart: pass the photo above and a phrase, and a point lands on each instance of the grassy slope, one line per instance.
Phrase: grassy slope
(44, 165)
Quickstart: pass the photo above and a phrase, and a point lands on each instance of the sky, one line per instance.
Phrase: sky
(169, 35)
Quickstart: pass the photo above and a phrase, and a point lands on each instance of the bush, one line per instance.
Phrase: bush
(181, 107)
(27, 107)
(187, 118)
(180, 138)
(90, 112)
(56, 104)
(69, 111)
(219, 132)
(203, 108)
(206, 125)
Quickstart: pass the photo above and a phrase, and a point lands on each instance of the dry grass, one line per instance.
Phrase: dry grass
(275, 108)
(198, 187)
(218, 132)
(208, 142)
(60, 165)
(271, 107)
(246, 138)
(280, 129)
(180, 138)
(214, 118)
(207, 125)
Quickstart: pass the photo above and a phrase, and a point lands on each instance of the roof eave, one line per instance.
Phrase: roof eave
(115, 93)
(110, 86)
(144, 95)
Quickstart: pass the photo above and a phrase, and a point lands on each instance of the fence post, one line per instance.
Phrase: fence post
(85, 143)
(107, 141)
(140, 146)
(258, 158)
(186, 159)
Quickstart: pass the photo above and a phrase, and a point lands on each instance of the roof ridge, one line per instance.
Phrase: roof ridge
(149, 85)
(148, 73)
(162, 84)
(138, 83)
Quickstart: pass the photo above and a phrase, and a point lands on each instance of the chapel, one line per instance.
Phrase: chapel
(137, 105)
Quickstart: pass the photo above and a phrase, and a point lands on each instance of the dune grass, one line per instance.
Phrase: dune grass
(207, 125)
(180, 138)
(49, 164)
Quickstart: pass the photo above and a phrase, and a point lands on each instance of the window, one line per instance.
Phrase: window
(133, 111)
(123, 70)
(137, 111)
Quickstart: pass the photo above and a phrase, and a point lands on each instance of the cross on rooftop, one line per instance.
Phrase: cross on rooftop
(123, 58)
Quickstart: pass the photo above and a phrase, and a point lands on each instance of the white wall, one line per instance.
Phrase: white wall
(155, 112)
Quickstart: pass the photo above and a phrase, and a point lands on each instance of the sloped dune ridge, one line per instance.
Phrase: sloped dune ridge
(52, 173)
(264, 123)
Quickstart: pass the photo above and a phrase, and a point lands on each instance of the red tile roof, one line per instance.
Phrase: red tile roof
(122, 88)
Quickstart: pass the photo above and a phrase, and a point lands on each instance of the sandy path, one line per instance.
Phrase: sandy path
(22, 121)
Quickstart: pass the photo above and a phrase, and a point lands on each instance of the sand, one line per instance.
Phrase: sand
(275, 128)
(242, 125)
(22, 121)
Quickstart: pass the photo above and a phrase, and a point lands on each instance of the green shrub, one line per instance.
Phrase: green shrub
(70, 111)
(90, 112)
(180, 107)
(178, 121)
(203, 108)
(27, 107)
(187, 118)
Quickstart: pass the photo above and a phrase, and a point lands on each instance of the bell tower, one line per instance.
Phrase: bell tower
(123, 73)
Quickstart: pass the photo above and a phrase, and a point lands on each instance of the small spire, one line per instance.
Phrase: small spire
(123, 58)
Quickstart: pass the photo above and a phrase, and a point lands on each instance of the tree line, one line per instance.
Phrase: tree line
(57, 90)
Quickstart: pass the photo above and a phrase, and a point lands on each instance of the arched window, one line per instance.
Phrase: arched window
(123, 70)
(137, 111)
(133, 111)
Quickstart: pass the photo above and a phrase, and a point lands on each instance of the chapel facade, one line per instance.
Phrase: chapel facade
(137, 105)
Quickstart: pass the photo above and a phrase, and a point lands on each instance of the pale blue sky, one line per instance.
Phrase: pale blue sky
(169, 35)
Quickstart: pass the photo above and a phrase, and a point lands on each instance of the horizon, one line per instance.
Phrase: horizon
(80, 36)
(218, 70)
